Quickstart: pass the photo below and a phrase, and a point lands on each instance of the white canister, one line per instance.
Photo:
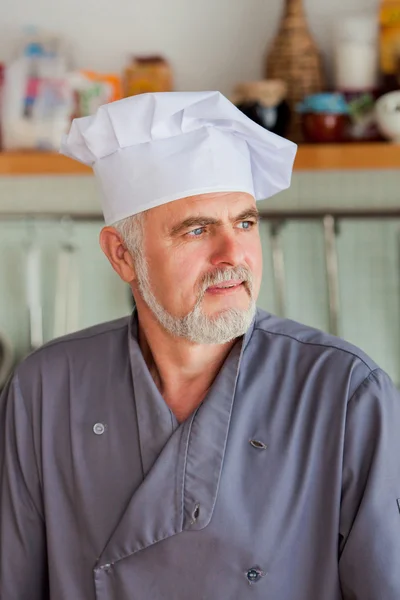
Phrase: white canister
(356, 53)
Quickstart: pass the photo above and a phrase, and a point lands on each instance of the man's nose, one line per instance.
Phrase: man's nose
(228, 251)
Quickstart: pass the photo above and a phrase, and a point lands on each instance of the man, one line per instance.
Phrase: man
(201, 449)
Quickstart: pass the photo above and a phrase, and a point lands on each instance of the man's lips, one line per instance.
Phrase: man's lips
(226, 287)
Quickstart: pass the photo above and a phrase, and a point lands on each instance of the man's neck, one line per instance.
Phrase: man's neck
(182, 371)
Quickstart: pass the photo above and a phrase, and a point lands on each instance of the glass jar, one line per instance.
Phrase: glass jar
(146, 74)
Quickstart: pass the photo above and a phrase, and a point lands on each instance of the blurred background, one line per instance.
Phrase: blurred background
(324, 74)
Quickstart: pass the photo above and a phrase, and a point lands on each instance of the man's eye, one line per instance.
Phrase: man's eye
(196, 232)
(246, 224)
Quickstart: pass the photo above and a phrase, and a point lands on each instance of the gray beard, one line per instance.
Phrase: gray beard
(196, 326)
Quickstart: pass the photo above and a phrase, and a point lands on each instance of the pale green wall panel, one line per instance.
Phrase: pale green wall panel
(103, 296)
(368, 256)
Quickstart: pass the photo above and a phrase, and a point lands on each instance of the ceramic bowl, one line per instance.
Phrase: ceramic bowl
(387, 112)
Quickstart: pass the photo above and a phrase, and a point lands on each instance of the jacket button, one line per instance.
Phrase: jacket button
(99, 428)
(254, 574)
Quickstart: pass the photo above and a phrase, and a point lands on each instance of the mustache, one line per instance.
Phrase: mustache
(218, 276)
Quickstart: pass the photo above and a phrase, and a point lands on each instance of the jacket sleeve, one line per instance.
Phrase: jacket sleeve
(369, 552)
(23, 561)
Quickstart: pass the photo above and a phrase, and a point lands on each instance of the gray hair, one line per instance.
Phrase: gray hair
(131, 232)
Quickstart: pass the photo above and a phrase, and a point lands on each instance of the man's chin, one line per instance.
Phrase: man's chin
(219, 306)
(219, 327)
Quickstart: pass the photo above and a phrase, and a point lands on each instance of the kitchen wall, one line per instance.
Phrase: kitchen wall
(212, 44)
(368, 254)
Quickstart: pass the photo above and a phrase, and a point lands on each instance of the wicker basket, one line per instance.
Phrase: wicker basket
(294, 58)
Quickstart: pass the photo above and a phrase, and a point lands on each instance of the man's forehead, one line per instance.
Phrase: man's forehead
(220, 204)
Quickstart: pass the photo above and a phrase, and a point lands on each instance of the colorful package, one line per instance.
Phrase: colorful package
(92, 90)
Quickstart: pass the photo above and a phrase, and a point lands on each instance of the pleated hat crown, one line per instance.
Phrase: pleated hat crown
(151, 149)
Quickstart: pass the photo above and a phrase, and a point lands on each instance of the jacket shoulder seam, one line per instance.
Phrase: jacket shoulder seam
(75, 339)
(317, 344)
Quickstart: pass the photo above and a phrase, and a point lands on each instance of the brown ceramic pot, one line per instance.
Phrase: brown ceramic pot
(325, 128)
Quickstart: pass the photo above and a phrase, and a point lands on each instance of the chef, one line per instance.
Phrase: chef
(201, 449)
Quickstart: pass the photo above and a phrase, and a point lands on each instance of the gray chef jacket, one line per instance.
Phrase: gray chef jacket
(283, 485)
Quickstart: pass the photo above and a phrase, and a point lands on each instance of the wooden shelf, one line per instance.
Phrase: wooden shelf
(343, 157)
(40, 163)
(310, 157)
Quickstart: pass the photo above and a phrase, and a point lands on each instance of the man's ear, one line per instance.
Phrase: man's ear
(121, 261)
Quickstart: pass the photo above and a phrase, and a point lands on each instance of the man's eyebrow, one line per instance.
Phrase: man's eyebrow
(203, 221)
(194, 222)
(249, 213)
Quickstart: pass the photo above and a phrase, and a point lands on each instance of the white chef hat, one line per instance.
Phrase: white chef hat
(151, 149)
